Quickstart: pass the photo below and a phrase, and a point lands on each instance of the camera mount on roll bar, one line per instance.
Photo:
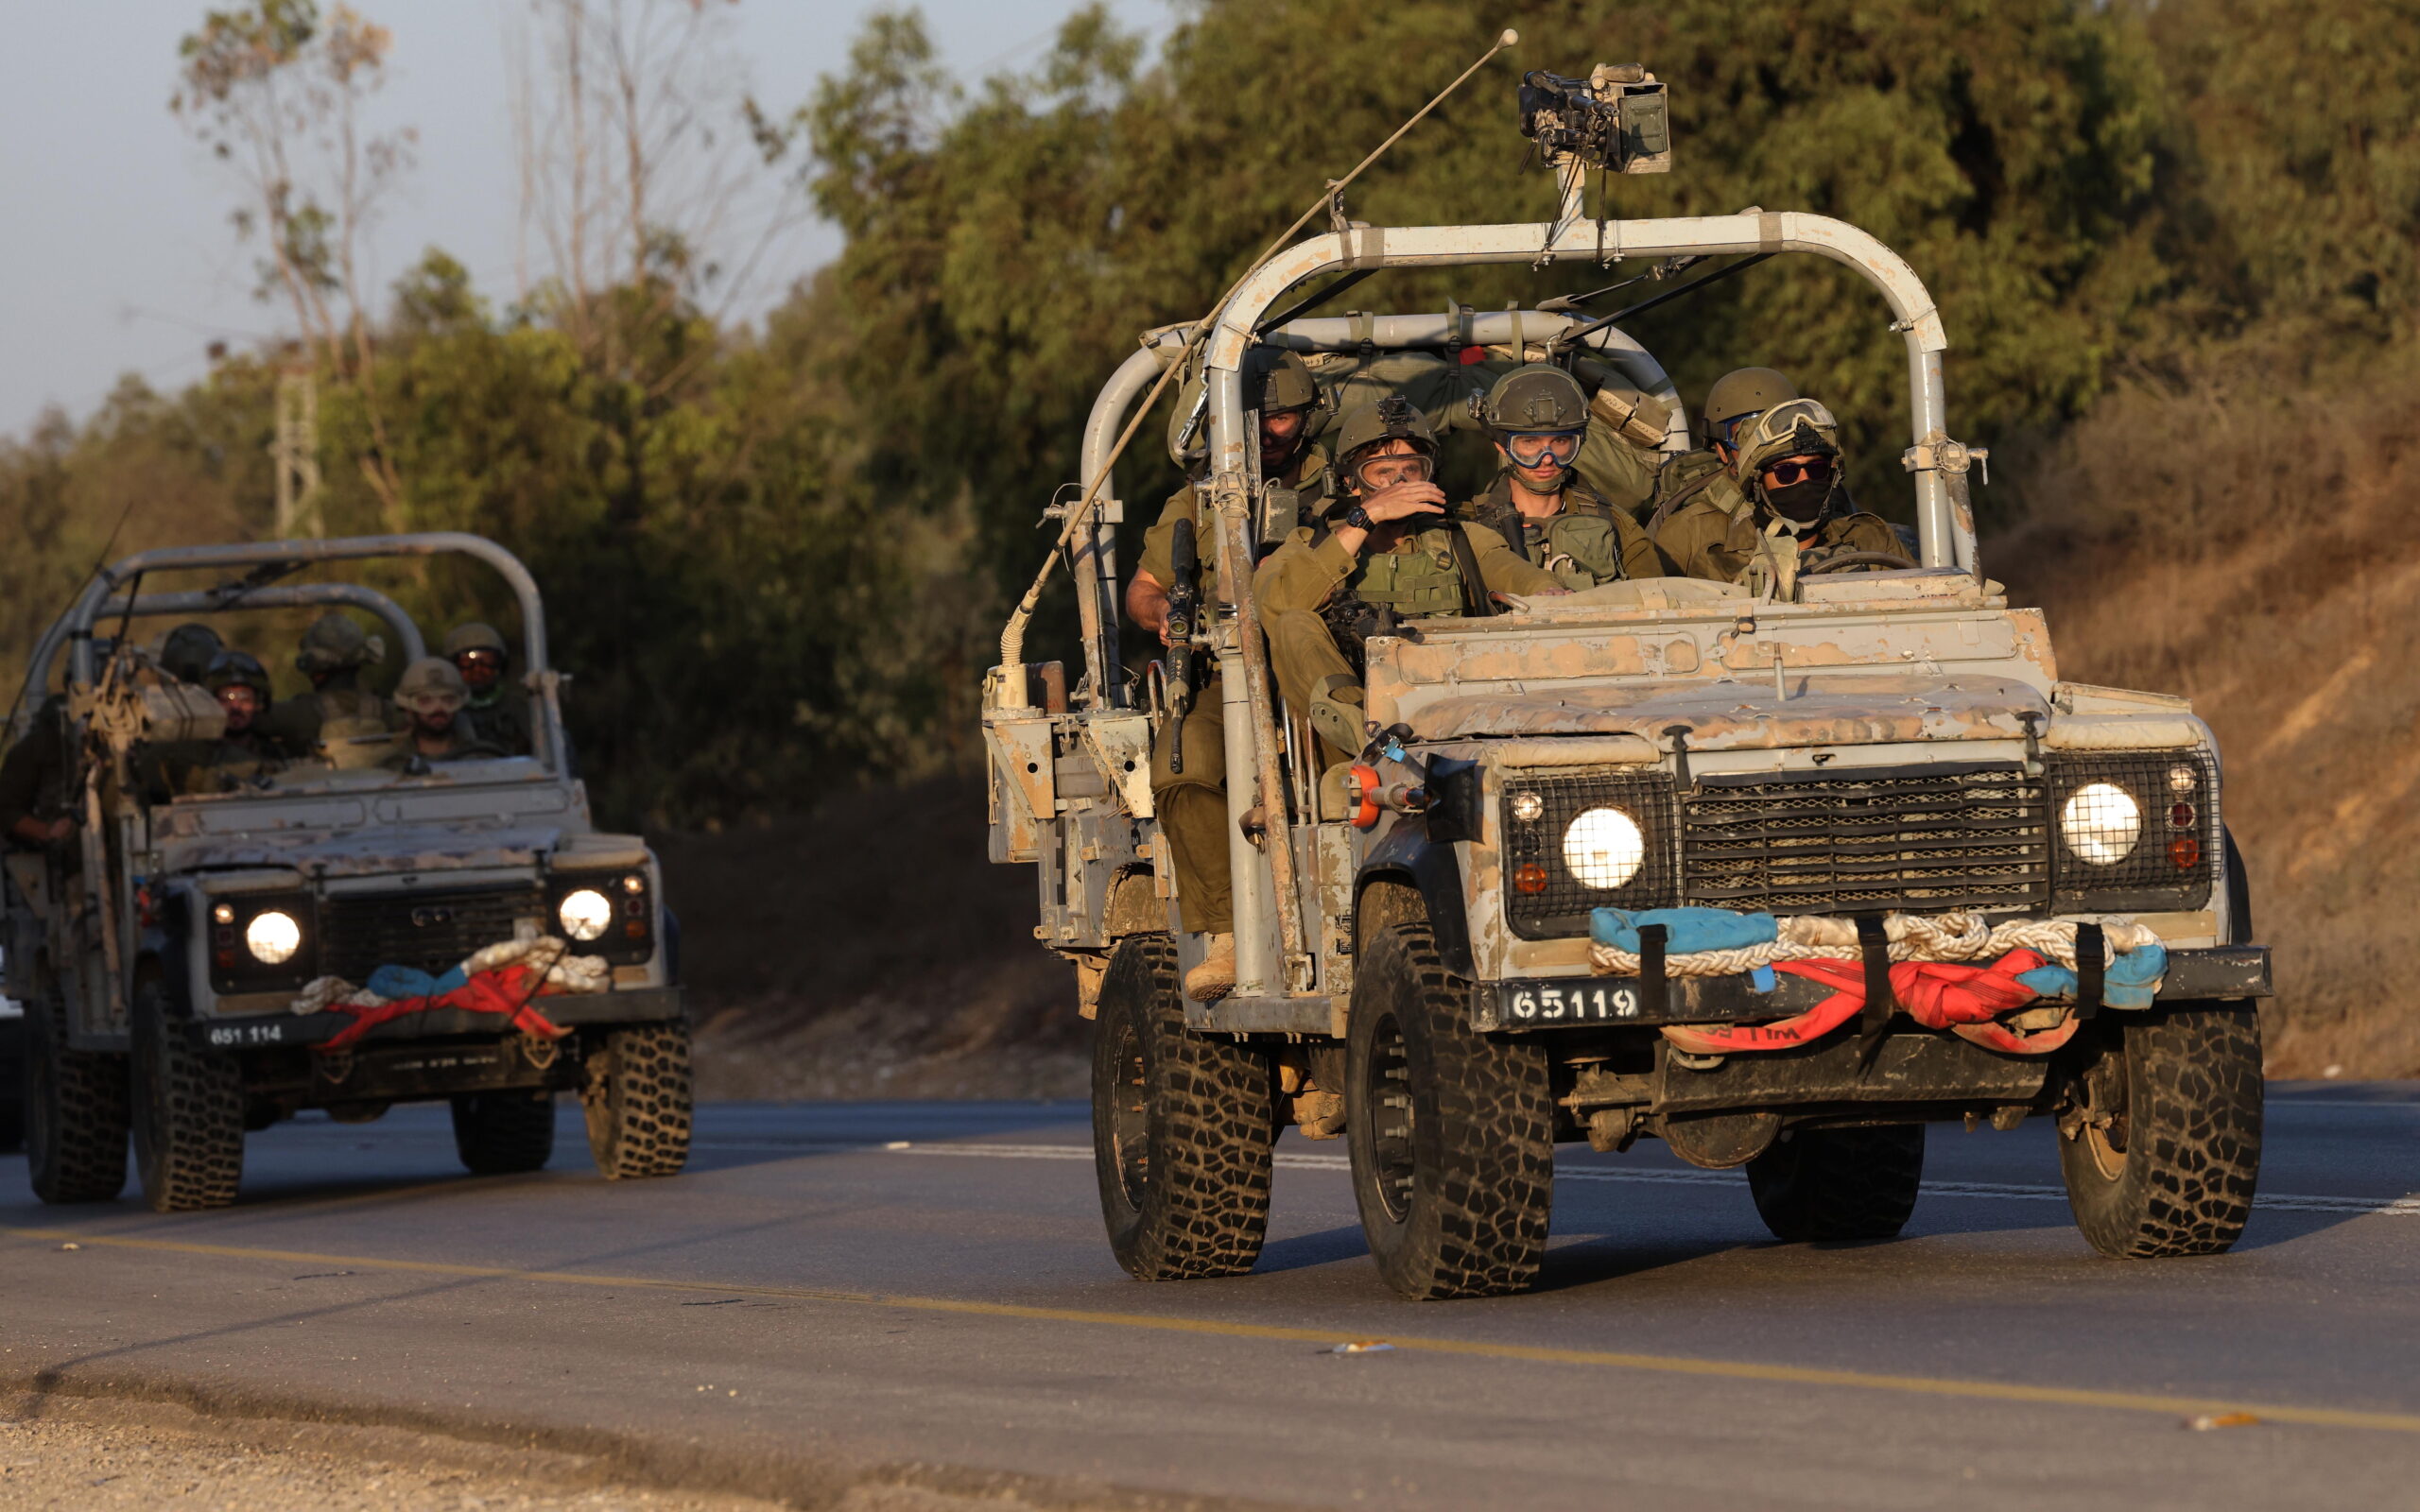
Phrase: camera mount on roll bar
(1615, 119)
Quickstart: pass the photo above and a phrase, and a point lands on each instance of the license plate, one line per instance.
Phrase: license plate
(241, 1036)
(1574, 1002)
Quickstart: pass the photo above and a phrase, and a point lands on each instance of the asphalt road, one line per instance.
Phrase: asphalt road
(809, 1304)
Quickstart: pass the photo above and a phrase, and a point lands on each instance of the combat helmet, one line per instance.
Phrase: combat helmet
(186, 651)
(1740, 392)
(1274, 382)
(474, 635)
(231, 668)
(1392, 418)
(1796, 427)
(1537, 399)
(431, 677)
(334, 644)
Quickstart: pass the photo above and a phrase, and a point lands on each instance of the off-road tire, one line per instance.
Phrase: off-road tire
(13, 1126)
(504, 1133)
(1829, 1184)
(1451, 1132)
(638, 1101)
(2165, 1160)
(188, 1114)
(1184, 1126)
(77, 1113)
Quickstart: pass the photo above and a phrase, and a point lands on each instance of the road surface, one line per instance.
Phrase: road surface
(838, 1296)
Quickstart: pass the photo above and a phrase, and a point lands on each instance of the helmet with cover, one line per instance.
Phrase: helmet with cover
(1798, 443)
(186, 651)
(230, 668)
(334, 644)
(1739, 393)
(1539, 414)
(1275, 381)
(433, 681)
(1369, 427)
(474, 635)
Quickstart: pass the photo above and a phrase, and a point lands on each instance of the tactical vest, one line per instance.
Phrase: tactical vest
(1582, 531)
(1425, 582)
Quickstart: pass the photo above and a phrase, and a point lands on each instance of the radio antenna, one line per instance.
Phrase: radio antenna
(1013, 635)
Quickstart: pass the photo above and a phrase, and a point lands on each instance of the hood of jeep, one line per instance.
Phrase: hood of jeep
(1745, 715)
(371, 851)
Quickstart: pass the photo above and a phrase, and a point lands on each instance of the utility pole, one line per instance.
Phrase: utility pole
(297, 452)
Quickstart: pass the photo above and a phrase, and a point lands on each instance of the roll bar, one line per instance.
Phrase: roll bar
(213, 601)
(1946, 532)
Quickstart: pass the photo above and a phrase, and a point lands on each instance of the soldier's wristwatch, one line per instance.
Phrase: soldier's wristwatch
(1359, 519)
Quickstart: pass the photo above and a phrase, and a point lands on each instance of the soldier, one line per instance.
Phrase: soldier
(1700, 493)
(185, 651)
(432, 696)
(1800, 517)
(1393, 550)
(245, 750)
(1538, 417)
(332, 655)
(1192, 805)
(36, 808)
(498, 707)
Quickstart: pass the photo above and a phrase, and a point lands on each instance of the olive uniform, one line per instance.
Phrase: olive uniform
(338, 712)
(196, 767)
(1783, 533)
(1587, 541)
(34, 776)
(499, 712)
(1719, 547)
(437, 677)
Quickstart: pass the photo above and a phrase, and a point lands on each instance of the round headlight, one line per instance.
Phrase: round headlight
(1604, 849)
(586, 914)
(2100, 823)
(273, 937)
(1528, 806)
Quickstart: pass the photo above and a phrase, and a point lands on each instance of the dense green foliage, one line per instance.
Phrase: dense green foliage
(776, 557)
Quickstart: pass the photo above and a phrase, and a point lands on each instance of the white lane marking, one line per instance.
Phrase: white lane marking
(1997, 1191)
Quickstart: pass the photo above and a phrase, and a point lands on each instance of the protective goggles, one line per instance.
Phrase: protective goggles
(1538, 448)
(1386, 472)
(1756, 432)
(480, 656)
(434, 702)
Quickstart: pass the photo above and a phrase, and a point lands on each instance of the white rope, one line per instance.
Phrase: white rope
(1955, 936)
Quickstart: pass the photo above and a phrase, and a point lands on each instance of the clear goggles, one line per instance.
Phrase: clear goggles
(1538, 448)
(1751, 434)
(1386, 472)
(433, 701)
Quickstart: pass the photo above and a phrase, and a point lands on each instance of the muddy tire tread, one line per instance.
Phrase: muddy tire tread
(77, 1129)
(640, 1111)
(2193, 1147)
(188, 1118)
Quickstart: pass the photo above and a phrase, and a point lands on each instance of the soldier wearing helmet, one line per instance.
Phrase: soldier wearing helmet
(1700, 495)
(246, 749)
(1800, 519)
(1192, 804)
(1389, 552)
(185, 651)
(337, 710)
(1538, 417)
(498, 707)
(432, 695)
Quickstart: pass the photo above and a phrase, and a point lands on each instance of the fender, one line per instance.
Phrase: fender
(1406, 852)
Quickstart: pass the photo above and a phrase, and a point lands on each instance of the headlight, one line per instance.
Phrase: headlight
(586, 914)
(273, 937)
(2100, 823)
(1604, 849)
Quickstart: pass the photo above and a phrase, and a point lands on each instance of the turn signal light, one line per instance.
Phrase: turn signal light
(2185, 852)
(1528, 877)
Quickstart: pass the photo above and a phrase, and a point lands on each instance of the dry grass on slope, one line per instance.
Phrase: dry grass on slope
(2257, 551)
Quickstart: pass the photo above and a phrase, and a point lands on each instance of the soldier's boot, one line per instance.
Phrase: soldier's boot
(1216, 976)
(1338, 713)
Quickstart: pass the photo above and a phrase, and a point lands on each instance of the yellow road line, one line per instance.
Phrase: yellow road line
(1608, 1359)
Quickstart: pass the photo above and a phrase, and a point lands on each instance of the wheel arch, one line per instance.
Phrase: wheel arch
(1407, 859)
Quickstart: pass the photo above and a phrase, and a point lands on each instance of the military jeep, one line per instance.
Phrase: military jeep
(1468, 947)
(195, 963)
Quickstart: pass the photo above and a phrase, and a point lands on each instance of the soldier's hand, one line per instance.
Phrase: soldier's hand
(1402, 501)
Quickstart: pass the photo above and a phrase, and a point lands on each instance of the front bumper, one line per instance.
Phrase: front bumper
(253, 1031)
(2224, 971)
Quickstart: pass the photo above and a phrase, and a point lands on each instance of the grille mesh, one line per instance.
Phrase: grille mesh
(2148, 875)
(433, 932)
(1921, 838)
(1561, 908)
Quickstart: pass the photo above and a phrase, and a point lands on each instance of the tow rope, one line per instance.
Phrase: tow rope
(1964, 1000)
(506, 992)
(499, 979)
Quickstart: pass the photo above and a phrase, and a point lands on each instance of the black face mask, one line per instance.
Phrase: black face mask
(1801, 502)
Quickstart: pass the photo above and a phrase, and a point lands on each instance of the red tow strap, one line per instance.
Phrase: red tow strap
(1938, 994)
(505, 992)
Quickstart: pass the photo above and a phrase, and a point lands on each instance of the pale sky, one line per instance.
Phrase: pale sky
(116, 252)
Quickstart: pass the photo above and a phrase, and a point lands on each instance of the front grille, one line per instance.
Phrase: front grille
(1915, 838)
(2177, 838)
(428, 932)
(1561, 906)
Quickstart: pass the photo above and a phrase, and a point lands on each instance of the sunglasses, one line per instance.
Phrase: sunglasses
(1531, 449)
(479, 659)
(1814, 469)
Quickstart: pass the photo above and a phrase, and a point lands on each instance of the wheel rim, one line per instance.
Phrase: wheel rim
(1130, 1126)
(1387, 1096)
(2105, 1132)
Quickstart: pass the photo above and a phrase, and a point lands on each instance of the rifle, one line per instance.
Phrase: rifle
(1184, 612)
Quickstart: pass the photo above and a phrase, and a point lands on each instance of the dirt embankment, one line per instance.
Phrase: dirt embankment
(868, 950)
(2251, 545)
